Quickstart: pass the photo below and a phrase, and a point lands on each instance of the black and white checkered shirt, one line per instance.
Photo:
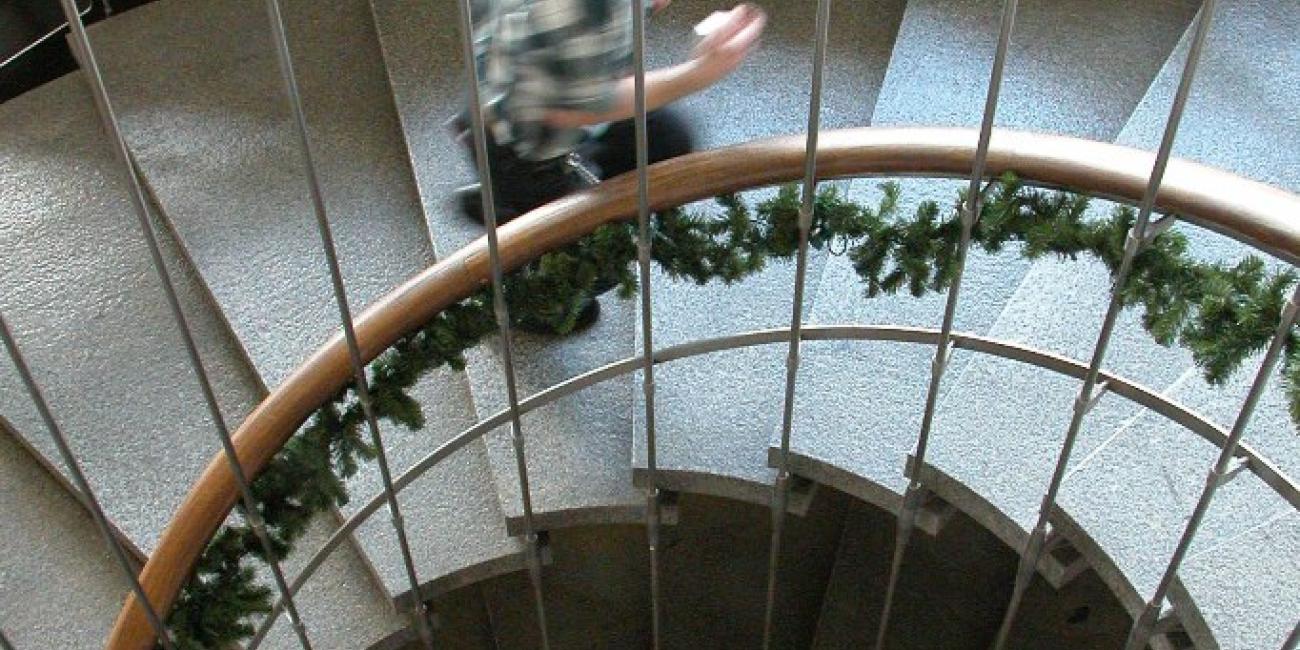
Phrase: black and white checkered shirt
(539, 55)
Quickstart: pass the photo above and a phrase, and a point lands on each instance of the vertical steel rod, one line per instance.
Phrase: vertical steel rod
(781, 489)
(647, 314)
(78, 477)
(501, 312)
(281, 42)
(80, 43)
(1137, 239)
(970, 215)
(1218, 475)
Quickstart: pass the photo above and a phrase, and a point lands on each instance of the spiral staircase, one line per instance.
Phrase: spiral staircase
(197, 90)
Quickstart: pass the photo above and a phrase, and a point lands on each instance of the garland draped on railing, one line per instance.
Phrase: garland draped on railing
(1223, 314)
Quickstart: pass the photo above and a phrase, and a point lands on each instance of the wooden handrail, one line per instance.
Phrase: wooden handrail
(1256, 214)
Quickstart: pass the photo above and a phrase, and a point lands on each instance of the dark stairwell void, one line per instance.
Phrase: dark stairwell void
(832, 578)
(32, 46)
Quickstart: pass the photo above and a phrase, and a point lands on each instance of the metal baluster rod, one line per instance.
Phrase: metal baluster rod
(501, 312)
(781, 490)
(281, 41)
(78, 477)
(86, 57)
(1218, 475)
(210, 399)
(970, 215)
(647, 306)
(1137, 239)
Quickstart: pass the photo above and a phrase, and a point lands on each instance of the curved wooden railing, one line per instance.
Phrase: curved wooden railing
(1256, 214)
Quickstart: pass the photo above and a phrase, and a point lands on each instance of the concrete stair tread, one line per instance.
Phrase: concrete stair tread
(1161, 462)
(421, 51)
(714, 413)
(1250, 599)
(88, 311)
(234, 189)
(938, 75)
(224, 163)
(54, 561)
(128, 355)
(1237, 115)
(453, 518)
(584, 475)
(341, 605)
(1133, 497)
(1001, 425)
(1074, 67)
(1137, 477)
(577, 447)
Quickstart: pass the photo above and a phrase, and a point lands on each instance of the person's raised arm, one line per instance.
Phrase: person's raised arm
(716, 56)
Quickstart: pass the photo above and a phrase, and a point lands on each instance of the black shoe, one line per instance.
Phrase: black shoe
(587, 317)
(469, 201)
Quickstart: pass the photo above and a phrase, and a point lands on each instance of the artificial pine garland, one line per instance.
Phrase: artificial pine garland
(1222, 313)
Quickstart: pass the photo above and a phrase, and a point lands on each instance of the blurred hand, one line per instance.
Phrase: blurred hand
(725, 48)
(660, 5)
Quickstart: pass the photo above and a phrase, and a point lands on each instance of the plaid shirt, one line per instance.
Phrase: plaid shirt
(539, 55)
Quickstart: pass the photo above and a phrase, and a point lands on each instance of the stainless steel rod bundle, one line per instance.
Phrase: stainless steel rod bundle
(1087, 399)
(781, 490)
(502, 314)
(647, 312)
(970, 214)
(86, 56)
(360, 385)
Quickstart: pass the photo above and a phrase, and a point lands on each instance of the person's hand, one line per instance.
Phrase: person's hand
(660, 5)
(724, 48)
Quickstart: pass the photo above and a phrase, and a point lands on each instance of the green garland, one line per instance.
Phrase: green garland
(1223, 314)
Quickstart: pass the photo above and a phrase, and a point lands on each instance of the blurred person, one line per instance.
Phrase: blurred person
(558, 94)
(558, 98)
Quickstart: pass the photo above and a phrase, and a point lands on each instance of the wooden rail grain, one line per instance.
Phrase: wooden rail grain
(1256, 214)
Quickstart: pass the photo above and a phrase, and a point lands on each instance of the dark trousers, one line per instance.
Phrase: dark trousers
(521, 185)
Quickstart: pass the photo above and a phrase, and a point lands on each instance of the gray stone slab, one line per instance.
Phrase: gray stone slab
(422, 50)
(199, 94)
(580, 441)
(768, 95)
(425, 73)
(1238, 115)
(421, 46)
(577, 448)
(860, 404)
(1027, 405)
(341, 605)
(1002, 424)
(52, 560)
(1076, 67)
(1250, 598)
(1133, 495)
(454, 521)
(714, 413)
(125, 395)
(87, 308)
(235, 191)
